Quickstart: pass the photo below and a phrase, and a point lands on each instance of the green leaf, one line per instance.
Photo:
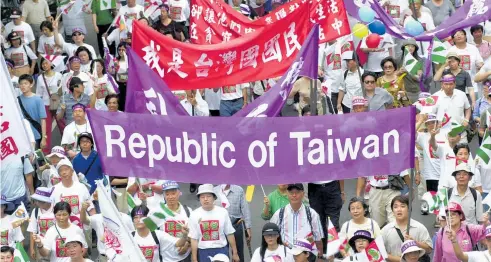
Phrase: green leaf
(150, 224)
(439, 49)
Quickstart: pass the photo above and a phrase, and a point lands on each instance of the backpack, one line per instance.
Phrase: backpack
(307, 211)
(186, 209)
(345, 74)
(474, 195)
(156, 239)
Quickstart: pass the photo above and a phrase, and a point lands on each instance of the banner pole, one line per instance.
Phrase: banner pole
(359, 73)
(411, 195)
(313, 97)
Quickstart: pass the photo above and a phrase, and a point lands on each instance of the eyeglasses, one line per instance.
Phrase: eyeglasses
(369, 82)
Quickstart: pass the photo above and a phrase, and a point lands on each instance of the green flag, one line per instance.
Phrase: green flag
(157, 218)
(484, 151)
(411, 64)
(439, 52)
(456, 129)
(20, 254)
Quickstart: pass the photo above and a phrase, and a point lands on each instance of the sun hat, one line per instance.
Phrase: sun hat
(431, 117)
(64, 162)
(462, 167)
(78, 30)
(270, 229)
(43, 194)
(454, 55)
(219, 257)
(57, 151)
(359, 101)
(76, 238)
(411, 246)
(360, 234)
(455, 207)
(299, 246)
(410, 41)
(3, 201)
(206, 188)
(170, 184)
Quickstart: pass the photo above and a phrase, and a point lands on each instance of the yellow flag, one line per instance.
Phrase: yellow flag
(249, 193)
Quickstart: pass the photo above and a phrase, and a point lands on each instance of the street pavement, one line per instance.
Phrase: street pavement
(256, 205)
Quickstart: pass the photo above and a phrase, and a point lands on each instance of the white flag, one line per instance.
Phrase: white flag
(120, 244)
(14, 142)
(19, 215)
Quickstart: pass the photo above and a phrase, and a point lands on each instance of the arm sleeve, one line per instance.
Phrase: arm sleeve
(228, 228)
(193, 228)
(437, 255)
(479, 209)
(46, 10)
(42, 110)
(245, 211)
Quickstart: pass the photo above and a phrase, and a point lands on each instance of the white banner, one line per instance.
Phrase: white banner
(14, 142)
(120, 245)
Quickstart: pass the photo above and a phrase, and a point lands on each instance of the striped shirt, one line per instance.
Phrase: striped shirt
(69, 101)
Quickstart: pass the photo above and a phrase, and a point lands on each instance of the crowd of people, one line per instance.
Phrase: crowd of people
(57, 76)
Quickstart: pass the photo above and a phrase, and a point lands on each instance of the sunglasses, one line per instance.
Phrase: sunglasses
(369, 82)
(74, 86)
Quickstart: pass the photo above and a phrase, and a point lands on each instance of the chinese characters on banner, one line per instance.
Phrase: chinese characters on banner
(213, 22)
(13, 139)
(264, 54)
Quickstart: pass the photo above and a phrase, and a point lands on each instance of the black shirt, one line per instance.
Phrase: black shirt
(173, 28)
(462, 79)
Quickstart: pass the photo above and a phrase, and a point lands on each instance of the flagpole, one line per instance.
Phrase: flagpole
(410, 199)
(313, 97)
(358, 70)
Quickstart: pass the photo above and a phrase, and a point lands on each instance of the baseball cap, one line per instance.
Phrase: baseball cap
(431, 117)
(13, 36)
(64, 162)
(76, 238)
(298, 186)
(15, 13)
(299, 246)
(76, 81)
(455, 207)
(170, 184)
(78, 30)
(270, 229)
(359, 101)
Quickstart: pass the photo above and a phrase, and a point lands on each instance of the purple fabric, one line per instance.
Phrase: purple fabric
(471, 13)
(43, 193)
(271, 102)
(107, 61)
(245, 151)
(157, 98)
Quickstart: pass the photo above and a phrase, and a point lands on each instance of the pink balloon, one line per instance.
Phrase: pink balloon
(373, 40)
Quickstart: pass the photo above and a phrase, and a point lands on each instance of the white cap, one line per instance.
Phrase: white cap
(220, 257)
(205, 188)
(299, 246)
(58, 151)
(43, 194)
(64, 162)
(76, 238)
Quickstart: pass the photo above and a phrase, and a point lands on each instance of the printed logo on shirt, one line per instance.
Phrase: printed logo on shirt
(448, 157)
(229, 89)
(131, 16)
(49, 49)
(21, 33)
(335, 60)
(210, 230)
(74, 203)
(465, 62)
(175, 12)
(18, 59)
(4, 238)
(394, 11)
(174, 228)
(45, 224)
(55, 180)
(379, 178)
(148, 252)
(61, 249)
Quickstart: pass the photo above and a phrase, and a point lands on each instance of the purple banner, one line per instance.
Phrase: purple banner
(235, 150)
(471, 13)
(305, 64)
(147, 92)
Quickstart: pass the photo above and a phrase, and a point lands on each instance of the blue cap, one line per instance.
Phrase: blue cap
(170, 184)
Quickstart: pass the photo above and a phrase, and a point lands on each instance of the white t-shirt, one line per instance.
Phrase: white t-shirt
(453, 106)
(53, 242)
(448, 164)
(383, 180)
(96, 222)
(24, 30)
(469, 57)
(233, 92)
(153, 199)
(116, 36)
(281, 252)
(374, 58)
(179, 10)
(70, 49)
(349, 228)
(88, 84)
(47, 45)
(41, 224)
(8, 234)
(86, 68)
(210, 228)
(50, 177)
(173, 228)
(478, 256)
(71, 133)
(334, 68)
(54, 82)
(74, 195)
(150, 249)
(213, 98)
(131, 14)
(431, 163)
(106, 89)
(19, 55)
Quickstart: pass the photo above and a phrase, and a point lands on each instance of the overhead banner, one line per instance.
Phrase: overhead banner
(257, 56)
(148, 92)
(244, 151)
(214, 22)
(469, 14)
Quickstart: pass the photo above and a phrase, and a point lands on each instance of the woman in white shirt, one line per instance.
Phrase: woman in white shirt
(271, 245)
(53, 244)
(121, 72)
(85, 59)
(358, 209)
(47, 87)
(47, 43)
(20, 54)
(104, 85)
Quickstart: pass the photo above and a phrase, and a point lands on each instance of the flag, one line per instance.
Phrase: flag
(221, 196)
(120, 244)
(428, 101)
(119, 22)
(443, 196)
(150, 7)
(487, 200)
(345, 46)
(375, 251)
(431, 198)
(20, 254)
(411, 64)
(157, 217)
(452, 128)
(133, 202)
(157, 98)
(250, 193)
(484, 151)
(108, 4)
(439, 52)
(72, 8)
(345, 246)
(14, 142)
(445, 120)
(305, 64)
(58, 61)
(19, 216)
(110, 65)
(333, 241)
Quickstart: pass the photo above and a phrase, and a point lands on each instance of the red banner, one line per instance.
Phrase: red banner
(266, 53)
(214, 21)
